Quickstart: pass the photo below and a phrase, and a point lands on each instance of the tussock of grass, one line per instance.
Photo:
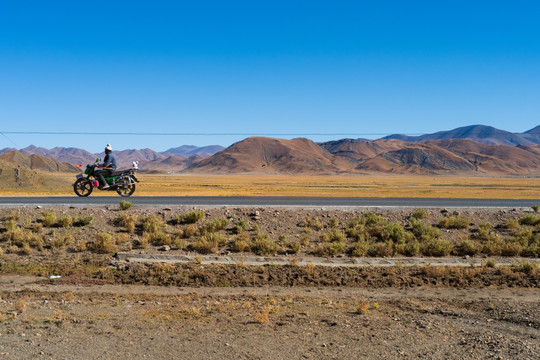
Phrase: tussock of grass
(190, 217)
(48, 219)
(125, 205)
(103, 244)
(153, 224)
(454, 222)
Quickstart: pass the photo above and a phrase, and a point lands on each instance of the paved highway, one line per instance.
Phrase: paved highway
(266, 201)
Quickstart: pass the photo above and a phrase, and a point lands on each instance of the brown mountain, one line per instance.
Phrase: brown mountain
(37, 162)
(361, 149)
(17, 177)
(417, 158)
(124, 158)
(273, 156)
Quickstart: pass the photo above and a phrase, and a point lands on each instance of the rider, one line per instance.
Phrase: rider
(108, 166)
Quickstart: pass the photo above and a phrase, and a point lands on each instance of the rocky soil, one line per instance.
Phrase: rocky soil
(102, 309)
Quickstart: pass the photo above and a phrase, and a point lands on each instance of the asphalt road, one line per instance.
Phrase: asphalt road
(267, 201)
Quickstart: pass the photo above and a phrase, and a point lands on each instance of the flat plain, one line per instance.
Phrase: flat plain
(325, 186)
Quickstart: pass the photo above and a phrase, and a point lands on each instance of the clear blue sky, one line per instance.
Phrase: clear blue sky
(263, 67)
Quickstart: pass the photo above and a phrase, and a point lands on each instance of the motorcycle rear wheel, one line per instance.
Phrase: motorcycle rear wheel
(83, 187)
(125, 190)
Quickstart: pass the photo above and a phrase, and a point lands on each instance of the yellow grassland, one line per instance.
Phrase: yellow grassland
(329, 186)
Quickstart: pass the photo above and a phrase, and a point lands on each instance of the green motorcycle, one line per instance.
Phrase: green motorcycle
(123, 182)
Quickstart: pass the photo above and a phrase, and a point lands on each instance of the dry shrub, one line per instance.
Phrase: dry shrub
(21, 306)
(329, 249)
(189, 231)
(241, 242)
(423, 232)
(381, 249)
(83, 221)
(263, 245)
(419, 214)
(158, 238)
(262, 316)
(437, 248)
(468, 247)
(454, 222)
(153, 224)
(48, 218)
(309, 269)
(190, 217)
(214, 225)
(294, 246)
(313, 223)
(127, 221)
(104, 244)
(65, 221)
(205, 245)
(11, 225)
(121, 238)
(333, 235)
(360, 249)
(37, 227)
(362, 307)
(125, 205)
(13, 215)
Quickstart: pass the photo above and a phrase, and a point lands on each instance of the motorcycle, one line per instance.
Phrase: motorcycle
(123, 181)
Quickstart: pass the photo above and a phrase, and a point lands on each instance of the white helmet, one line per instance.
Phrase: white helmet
(108, 147)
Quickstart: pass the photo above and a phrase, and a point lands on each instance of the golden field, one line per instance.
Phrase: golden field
(325, 186)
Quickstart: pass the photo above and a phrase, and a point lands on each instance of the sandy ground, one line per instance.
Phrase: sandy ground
(44, 320)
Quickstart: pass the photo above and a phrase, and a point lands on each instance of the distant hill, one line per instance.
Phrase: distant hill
(349, 156)
(275, 156)
(480, 133)
(37, 162)
(16, 177)
(173, 163)
(124, 158)
(189, 150)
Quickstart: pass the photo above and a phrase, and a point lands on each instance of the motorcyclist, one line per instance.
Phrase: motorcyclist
(108, 166)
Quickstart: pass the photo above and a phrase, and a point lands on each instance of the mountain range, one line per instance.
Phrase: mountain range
(475, 149)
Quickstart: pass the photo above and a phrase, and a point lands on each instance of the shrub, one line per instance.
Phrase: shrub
(205, 245)
(241, 242)
(158, 238)
(37, 227)
(511, 224)
(128, 221)
(125, 205)
(103, 244)
(11, 225)
(294, 246)
(536, 208)
(333, 223)
(241, 226)
(526, 267)
(214, 225)
(153, 224)
(65, 221)
(13, 215)
(409, 249)
(190, 217)
(381, 249)
(483, 232)
(530, 219)
(490, 263)
(523, 236)
(189, 231)
(437, 248)
(454, 222)
(362, 307)
(360, 248)
(48, 219)
(59, 244)
(424, 232)
(83, 221)
(419, 214)
(263, 245)
(333, 235)
(313, 223)
(357, 232)
(467, 247)
(262, 316)
(395, 233)
(329, 249)
(511, 249)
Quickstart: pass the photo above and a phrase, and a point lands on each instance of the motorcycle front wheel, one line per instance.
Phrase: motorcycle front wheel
(83, 187)
(125, 190)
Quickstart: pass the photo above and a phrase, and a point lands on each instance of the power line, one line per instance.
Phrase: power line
(191, 133)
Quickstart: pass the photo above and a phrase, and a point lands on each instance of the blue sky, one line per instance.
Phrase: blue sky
(263, 67)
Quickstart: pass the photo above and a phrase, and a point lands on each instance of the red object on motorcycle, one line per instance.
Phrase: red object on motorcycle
(95, 183)
(79, 165)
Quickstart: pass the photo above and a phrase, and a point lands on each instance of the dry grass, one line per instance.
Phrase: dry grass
(333, 186)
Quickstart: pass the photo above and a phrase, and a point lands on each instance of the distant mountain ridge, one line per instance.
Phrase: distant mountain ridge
(480, 133)
(475, 149)
(124, 158)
